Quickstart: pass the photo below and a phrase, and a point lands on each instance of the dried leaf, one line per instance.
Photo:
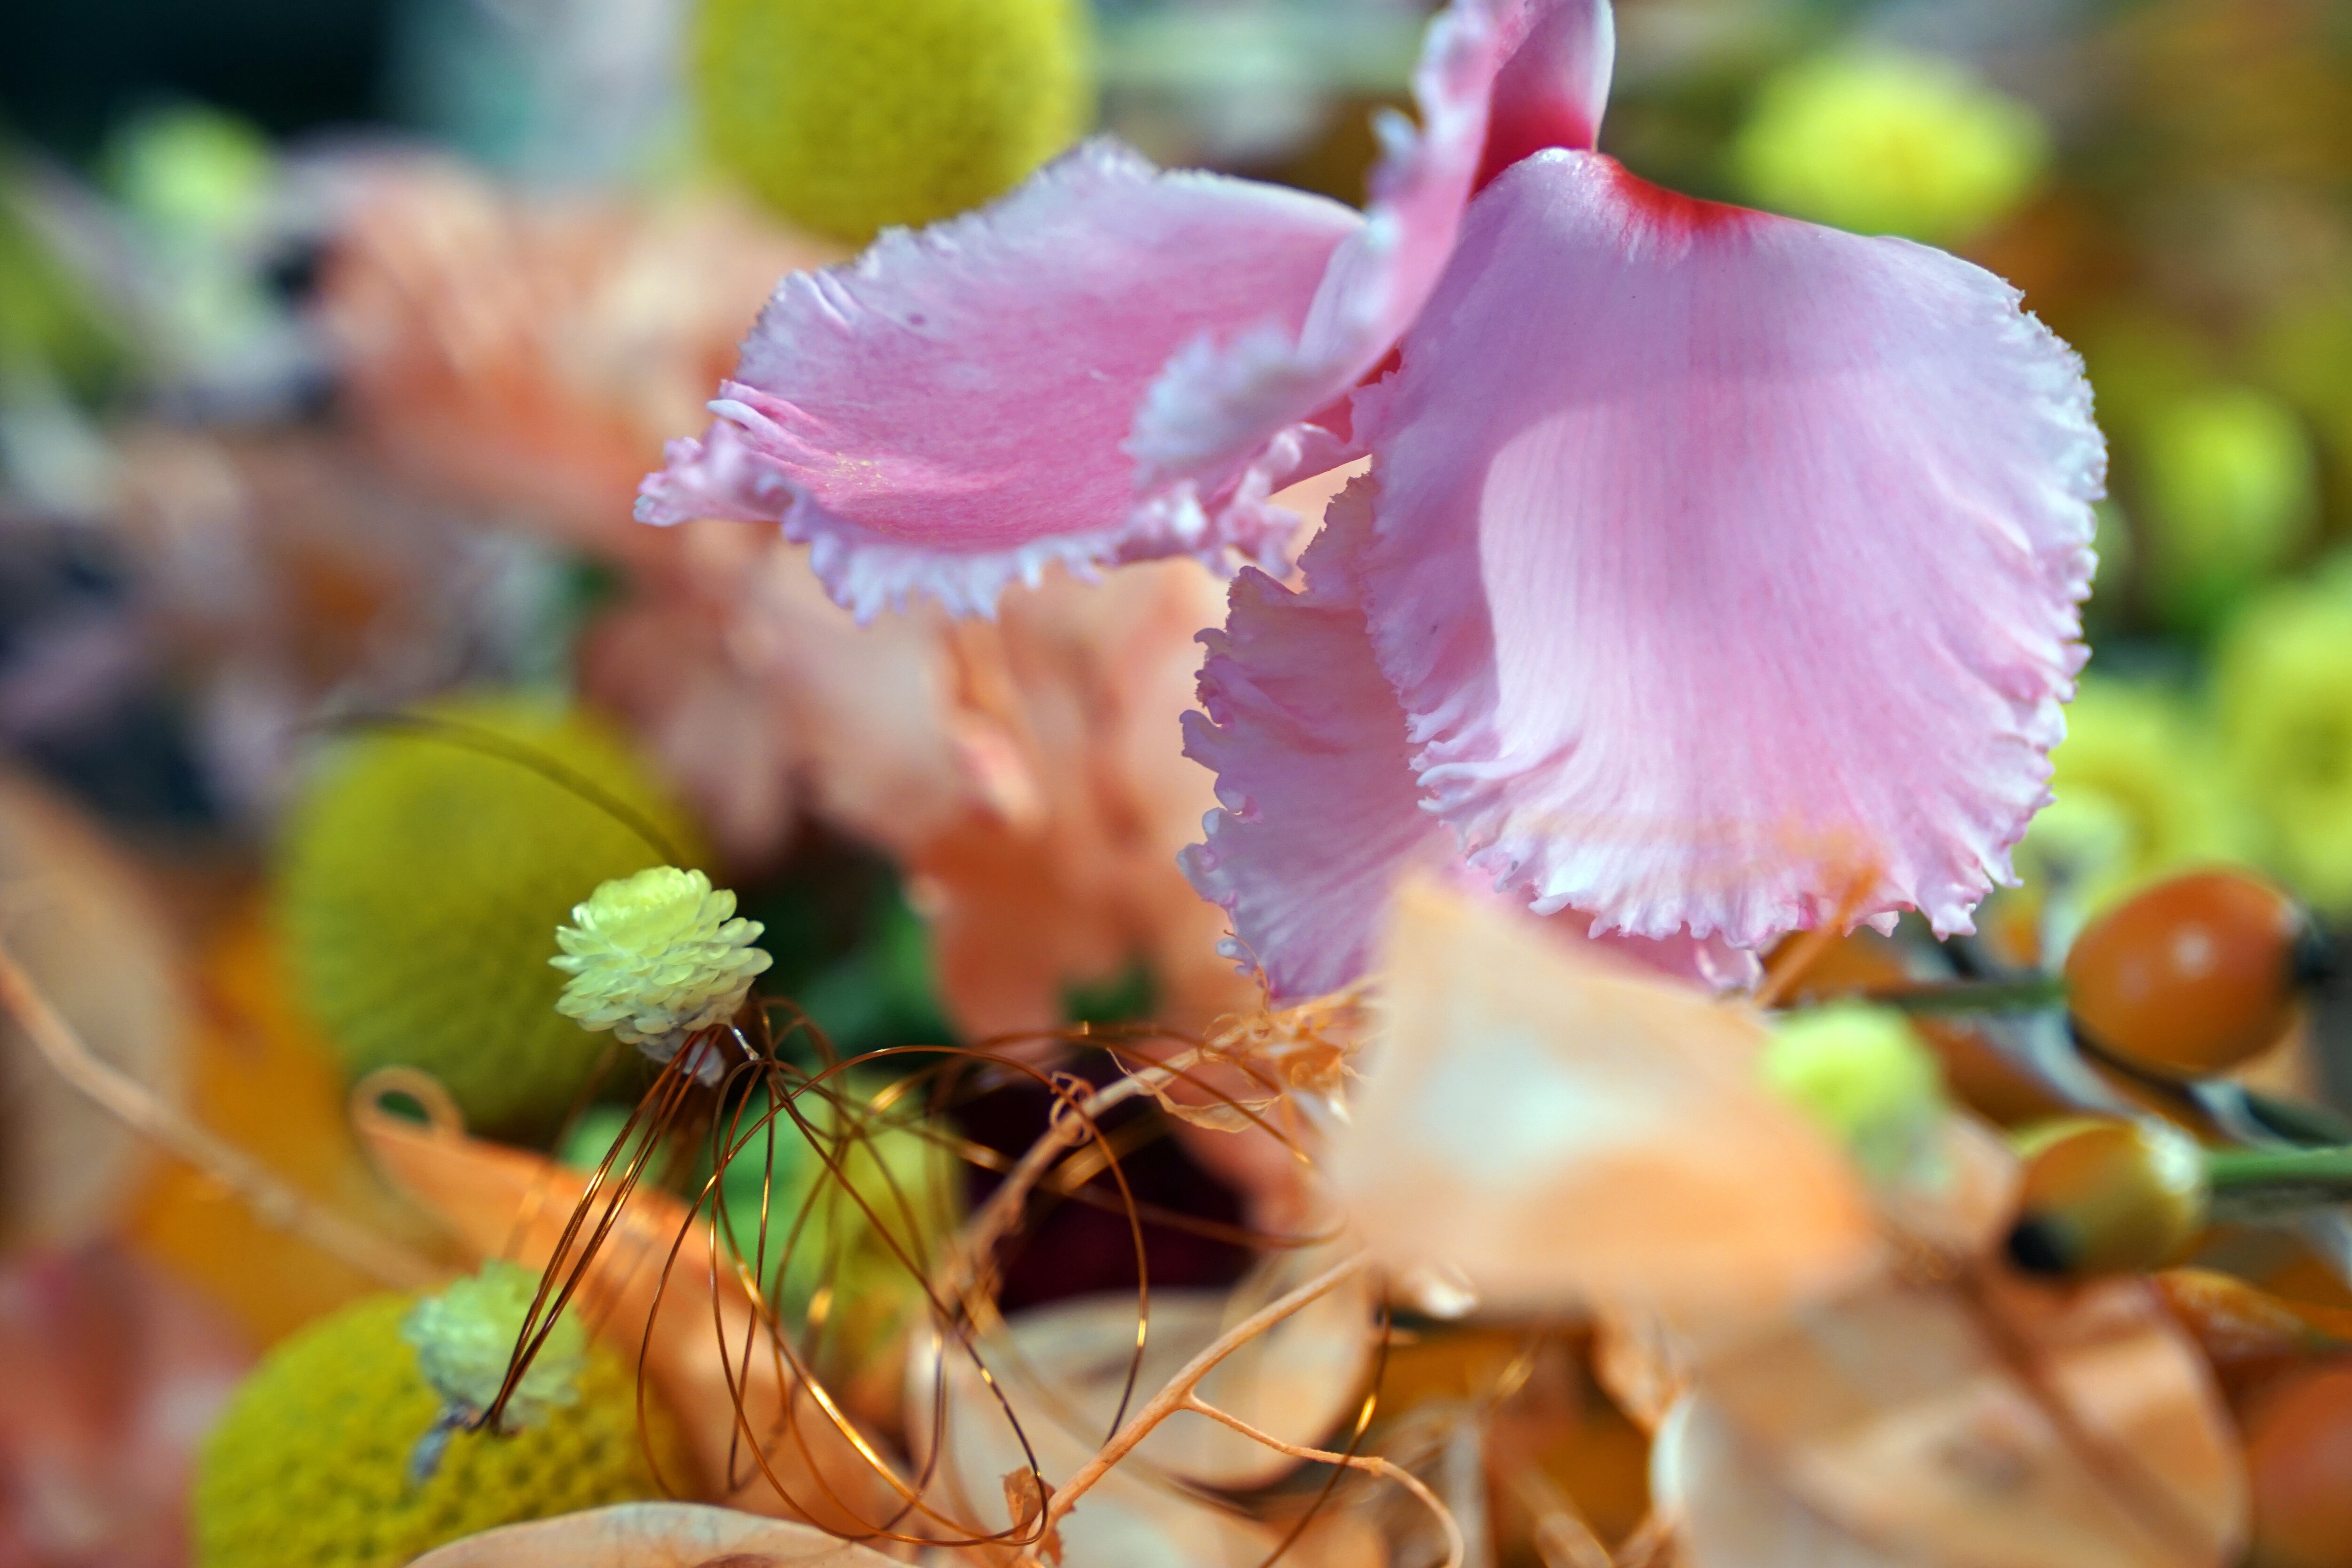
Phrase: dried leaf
(1025, 1498)
(80, 919)
(1269, 1054)
(654, 1535)
(2002, 1427)
(1063, 1369)
(1564, 1129)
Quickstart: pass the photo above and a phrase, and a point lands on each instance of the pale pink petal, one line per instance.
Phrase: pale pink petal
(1541, 68)
(1553, 89)
(944, 415)
(1727, 566)
(1321, 817)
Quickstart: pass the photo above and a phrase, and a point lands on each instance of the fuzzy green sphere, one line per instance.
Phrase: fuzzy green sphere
(309, 1464)
(848, 118)
(1881, 142)
(1864, 1077)
(420, 884)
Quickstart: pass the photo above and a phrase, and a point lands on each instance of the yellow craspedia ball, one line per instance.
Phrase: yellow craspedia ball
(848, 116)
(1883, 142)
(421, 874)
(2282, 679)
(2230, 486)
(2139, 790)
(309, 1464)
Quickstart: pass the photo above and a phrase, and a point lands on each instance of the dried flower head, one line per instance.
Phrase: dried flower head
(1306, 1050)
(465, 1336)
(655, 956)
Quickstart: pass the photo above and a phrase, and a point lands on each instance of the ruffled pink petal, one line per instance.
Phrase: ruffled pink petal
(1321, 818)
(1554, 87)
(944, 415)
(1727, 566)
(1495, 77)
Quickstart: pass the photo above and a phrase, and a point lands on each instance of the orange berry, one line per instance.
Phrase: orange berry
(2192, 976)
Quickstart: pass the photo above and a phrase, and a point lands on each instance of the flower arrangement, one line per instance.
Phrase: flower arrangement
(1422, 786)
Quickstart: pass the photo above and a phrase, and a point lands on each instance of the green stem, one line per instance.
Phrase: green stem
(2316, 1171)
(1973, 995)
(2302, 1122)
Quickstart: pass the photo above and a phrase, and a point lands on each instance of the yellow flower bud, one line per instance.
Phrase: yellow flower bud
(2109, 1197)
(656, 956)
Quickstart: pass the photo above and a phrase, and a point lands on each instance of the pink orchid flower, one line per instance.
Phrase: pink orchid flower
(1716, 574)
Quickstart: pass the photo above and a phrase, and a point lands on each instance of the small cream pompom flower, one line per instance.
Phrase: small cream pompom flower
(465, 1336)
(655, 956)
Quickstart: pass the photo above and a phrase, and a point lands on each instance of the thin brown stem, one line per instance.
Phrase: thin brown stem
(272, 1198)
(967, 1260)
(1178, 1388)
(1455, 1548)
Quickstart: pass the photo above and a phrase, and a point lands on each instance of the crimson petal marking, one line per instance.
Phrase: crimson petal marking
(943, 415)
(1721, 561)
(1542, 67)
(1321, 817)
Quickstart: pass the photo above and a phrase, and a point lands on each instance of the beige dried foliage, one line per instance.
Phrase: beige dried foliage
(654, 1535)
(88, 931)
(1027, 1499)
(1274, 1054)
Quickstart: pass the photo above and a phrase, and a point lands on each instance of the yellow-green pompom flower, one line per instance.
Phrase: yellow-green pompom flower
(1865, 1077)
(2230, 491)
(310, 1463)
(465, 1336)
(656, 956)
(2283, 678)
(2138, 790)
(848, 118)
(1881, 142)
(421, 872)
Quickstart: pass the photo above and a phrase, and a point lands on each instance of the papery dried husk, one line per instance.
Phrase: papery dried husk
(1062, 1369)
(1566, 1465)
(2249, 1335)
(86, 928)
(653, 1535)
(1566, 1131)
(1995, 1425)
(112, 1372)
(1251, 1104)
(509, 1203)
(1642, 1364)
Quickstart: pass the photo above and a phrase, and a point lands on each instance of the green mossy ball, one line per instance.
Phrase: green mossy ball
(309, 1464)
(420, 886)
(848, 118)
